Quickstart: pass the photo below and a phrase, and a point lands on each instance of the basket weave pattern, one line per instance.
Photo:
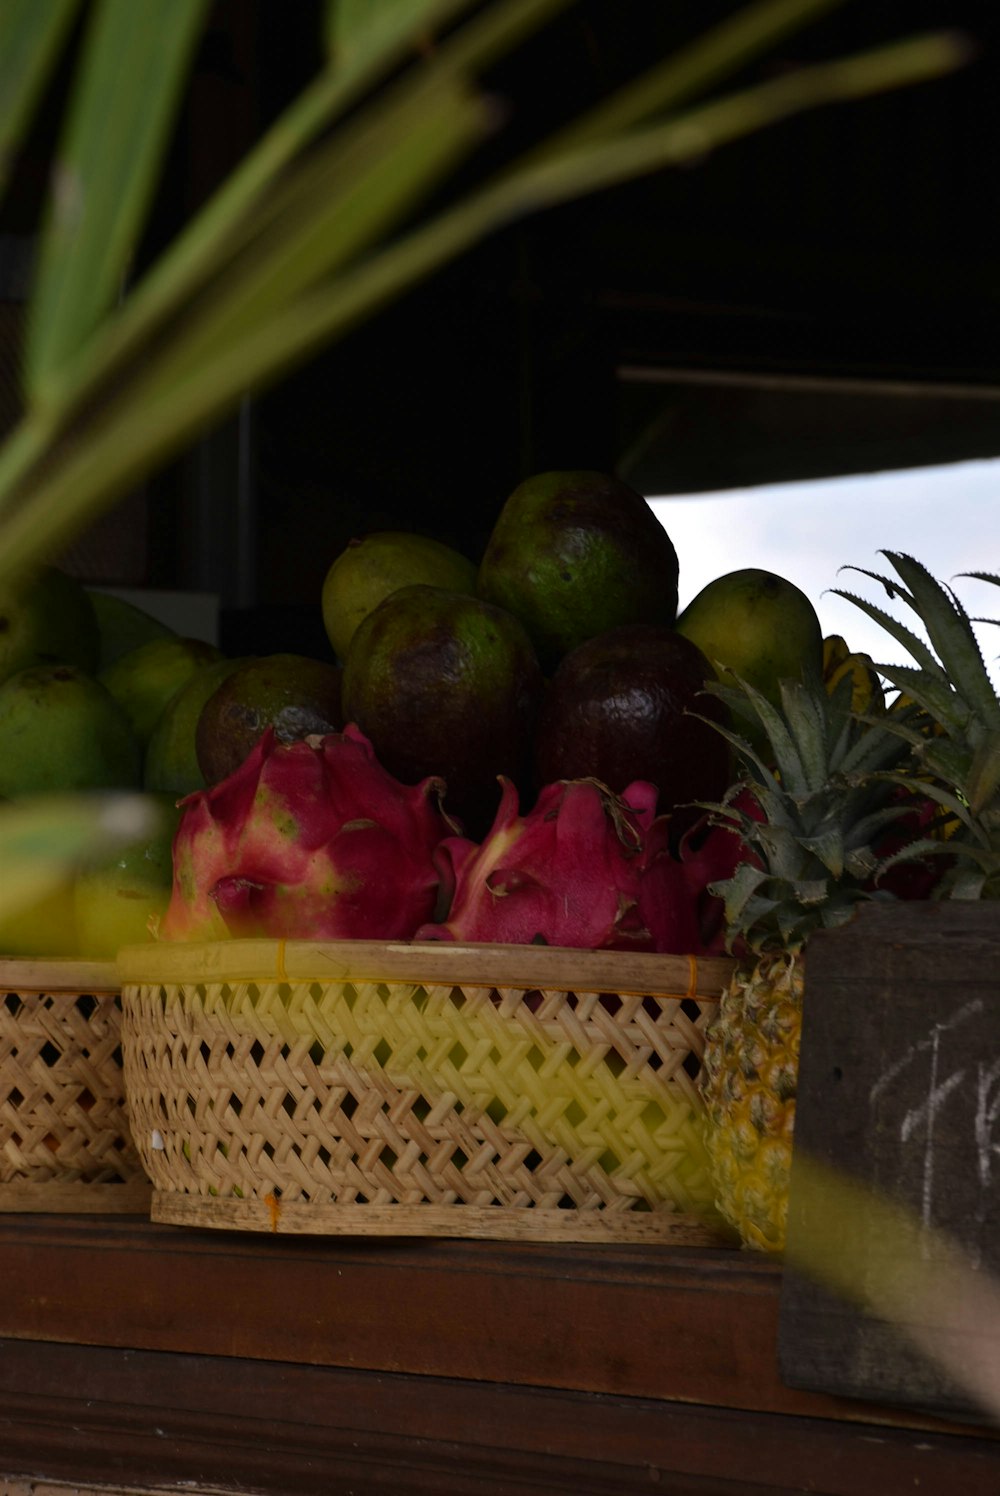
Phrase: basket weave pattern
(62, 1106)
(417, 1094)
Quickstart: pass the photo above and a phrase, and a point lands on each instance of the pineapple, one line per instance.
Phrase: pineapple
(812, 856)
(954, 734)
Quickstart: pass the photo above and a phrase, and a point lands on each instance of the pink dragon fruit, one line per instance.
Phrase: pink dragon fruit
(569, 873)
(307, 840)
(709, 853)
(669, 900)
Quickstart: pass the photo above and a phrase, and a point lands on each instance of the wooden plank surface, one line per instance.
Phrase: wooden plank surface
(57, 1197)
(134, 1353)
(170, 1421)
(899, 1089)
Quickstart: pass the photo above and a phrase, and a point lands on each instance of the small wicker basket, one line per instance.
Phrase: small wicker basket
(65, 1143)
(435, 1089)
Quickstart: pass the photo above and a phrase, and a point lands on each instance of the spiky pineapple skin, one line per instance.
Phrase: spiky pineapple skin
(749, 1080)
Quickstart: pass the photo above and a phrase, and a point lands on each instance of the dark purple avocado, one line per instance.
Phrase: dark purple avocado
(623, 706)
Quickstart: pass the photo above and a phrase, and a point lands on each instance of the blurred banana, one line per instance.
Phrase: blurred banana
(867, 693)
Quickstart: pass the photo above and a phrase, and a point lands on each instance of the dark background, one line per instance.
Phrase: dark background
(822, 296)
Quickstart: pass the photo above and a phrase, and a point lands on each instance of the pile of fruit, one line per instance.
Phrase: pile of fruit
(83, 678)
(529, 747)
(517, 750)
(510, 749)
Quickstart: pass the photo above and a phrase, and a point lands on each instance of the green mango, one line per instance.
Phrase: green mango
(47, 619)
(171, 763)
(146, 679)
(373, 566)
(122, 626)
(60, 729)
(760, 627)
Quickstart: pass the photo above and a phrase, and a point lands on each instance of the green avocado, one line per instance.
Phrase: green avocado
(446, 684)
(631, 704)
(295, 694)
(575, 553)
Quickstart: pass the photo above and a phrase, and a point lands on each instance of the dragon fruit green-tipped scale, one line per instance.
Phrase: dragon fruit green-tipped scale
(308, 840)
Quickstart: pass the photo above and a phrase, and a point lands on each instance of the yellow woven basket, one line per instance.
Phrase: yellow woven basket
(65, 1143)
(436, 1090)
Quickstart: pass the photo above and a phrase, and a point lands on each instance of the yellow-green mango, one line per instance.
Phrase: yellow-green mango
(758, 626)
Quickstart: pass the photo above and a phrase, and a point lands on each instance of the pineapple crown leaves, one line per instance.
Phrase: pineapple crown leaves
(768, 911)
(983, 576)
(795, 731)
(823, 800)
(953, 659)
(814, 736)
(955, 738)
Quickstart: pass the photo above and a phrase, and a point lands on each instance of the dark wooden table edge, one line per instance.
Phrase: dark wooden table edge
(171, 1421)
(670, 1324)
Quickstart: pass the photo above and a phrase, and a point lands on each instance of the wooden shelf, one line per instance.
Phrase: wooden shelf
(140, 1353)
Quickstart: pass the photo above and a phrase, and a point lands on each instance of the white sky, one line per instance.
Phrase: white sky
(946, 517)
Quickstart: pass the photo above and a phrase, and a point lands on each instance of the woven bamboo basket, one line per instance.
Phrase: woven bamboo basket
(435, 1090)
(65, 1143)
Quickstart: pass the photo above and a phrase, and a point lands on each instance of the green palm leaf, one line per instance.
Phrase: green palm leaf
(135, 431)
(126, 91)
(31, 38)
(358, 30)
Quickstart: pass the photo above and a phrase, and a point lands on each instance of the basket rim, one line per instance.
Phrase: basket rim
(57, 974)
(531, 967)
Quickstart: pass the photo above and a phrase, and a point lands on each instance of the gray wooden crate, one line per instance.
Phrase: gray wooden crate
(899, 1091)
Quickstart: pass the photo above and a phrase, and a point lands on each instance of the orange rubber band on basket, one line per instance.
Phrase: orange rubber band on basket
(279, 962)
(692, 977)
